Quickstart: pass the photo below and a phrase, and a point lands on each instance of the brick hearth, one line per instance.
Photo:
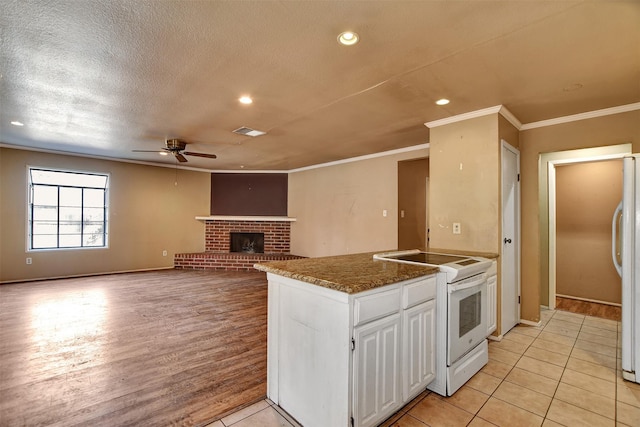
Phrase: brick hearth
(217, 244)
(229, 261)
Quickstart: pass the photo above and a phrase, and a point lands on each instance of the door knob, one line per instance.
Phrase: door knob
(507, 240)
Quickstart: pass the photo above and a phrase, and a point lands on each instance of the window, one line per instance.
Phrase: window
(67, 209)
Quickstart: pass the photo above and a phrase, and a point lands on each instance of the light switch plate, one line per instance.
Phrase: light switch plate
(456, 228)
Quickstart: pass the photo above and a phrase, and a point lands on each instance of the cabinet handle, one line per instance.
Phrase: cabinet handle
(507, 240)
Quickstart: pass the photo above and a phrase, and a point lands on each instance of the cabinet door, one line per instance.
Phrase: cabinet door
(376, 392)
(418, 353)
(492, 304)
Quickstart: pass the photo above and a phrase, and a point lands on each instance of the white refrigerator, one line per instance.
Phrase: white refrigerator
(625, 252)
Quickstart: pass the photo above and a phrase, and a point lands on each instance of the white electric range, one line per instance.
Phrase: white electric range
(461, 305)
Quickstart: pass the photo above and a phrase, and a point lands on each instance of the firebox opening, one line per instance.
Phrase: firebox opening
(247, 242)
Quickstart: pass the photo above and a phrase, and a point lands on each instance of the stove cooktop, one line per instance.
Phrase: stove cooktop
(456, 267)
(429, 258)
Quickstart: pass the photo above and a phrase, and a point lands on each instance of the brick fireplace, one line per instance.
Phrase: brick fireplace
(218, 255)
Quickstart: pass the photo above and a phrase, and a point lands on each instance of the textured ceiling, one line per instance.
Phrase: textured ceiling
(107, 77)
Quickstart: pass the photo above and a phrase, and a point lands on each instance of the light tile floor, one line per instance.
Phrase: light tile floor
(565, 372)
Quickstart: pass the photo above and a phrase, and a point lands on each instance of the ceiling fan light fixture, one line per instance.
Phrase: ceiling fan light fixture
(248, 131)
(163, 153)
(348, 38)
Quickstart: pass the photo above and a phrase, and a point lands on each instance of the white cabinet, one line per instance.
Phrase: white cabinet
(337, 359)
(418, 362)
(492, 303)
(376, 370)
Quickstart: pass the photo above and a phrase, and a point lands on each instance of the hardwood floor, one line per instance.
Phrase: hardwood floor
(172, 347)
(595, 309)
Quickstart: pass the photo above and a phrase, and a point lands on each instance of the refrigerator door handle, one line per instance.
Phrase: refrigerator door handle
(615, 239)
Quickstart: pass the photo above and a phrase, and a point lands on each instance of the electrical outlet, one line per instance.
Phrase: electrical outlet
(456, 228)
(384, 212)
(402, 213)
(29, 261)
(164, 253)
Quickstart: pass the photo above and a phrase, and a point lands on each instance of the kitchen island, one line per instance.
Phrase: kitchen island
(350, 339)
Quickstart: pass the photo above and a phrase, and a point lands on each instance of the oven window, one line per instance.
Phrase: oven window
(470, 313)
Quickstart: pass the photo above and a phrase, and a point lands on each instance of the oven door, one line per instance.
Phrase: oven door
(467, 320)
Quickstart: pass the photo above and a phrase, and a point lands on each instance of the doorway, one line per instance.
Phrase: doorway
(547, 208)
(587, 194)
(413, 187)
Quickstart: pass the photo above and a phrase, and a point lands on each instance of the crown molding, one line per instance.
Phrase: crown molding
(365, 157)
(510, 117)
(464, 116)
(237, 171)
(498, 109)
(582, 116)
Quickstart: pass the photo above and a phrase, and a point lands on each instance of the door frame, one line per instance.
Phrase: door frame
(504, 145)
(548, 162)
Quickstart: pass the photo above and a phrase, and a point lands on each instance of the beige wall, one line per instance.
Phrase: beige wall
(601, 131)
(508, 132)
(339, 208)
(147, 214)
(464, 176)
(586, 196)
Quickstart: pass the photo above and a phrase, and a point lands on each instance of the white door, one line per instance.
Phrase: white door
(418, 361)
(376, 370)
(510, 256)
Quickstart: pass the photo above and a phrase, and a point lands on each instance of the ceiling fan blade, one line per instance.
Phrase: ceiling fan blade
(208, 156)
(180, 157)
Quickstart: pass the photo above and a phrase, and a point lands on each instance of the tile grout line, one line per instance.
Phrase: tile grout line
(563, 368)
(514, 366)
(502, 380)
(582, 324)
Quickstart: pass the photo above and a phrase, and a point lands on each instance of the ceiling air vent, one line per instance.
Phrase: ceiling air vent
(248, 131)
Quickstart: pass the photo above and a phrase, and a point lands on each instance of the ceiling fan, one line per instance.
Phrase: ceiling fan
(176, 147)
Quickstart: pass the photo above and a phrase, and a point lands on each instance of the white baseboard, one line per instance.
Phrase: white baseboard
(530, 323)
(75, 276)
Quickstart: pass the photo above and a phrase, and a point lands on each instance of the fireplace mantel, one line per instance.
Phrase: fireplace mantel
(244, 218)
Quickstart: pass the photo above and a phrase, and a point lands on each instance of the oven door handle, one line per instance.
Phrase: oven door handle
(466, 285)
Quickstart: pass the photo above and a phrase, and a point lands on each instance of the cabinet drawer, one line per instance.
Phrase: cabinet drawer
(418, 292)
(376, 306)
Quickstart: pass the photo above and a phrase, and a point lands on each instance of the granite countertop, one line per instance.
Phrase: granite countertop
(346, 273)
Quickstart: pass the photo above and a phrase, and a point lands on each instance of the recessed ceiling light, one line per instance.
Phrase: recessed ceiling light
(442, 101)
(245, 99)
(17, 123)
(348, 38)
